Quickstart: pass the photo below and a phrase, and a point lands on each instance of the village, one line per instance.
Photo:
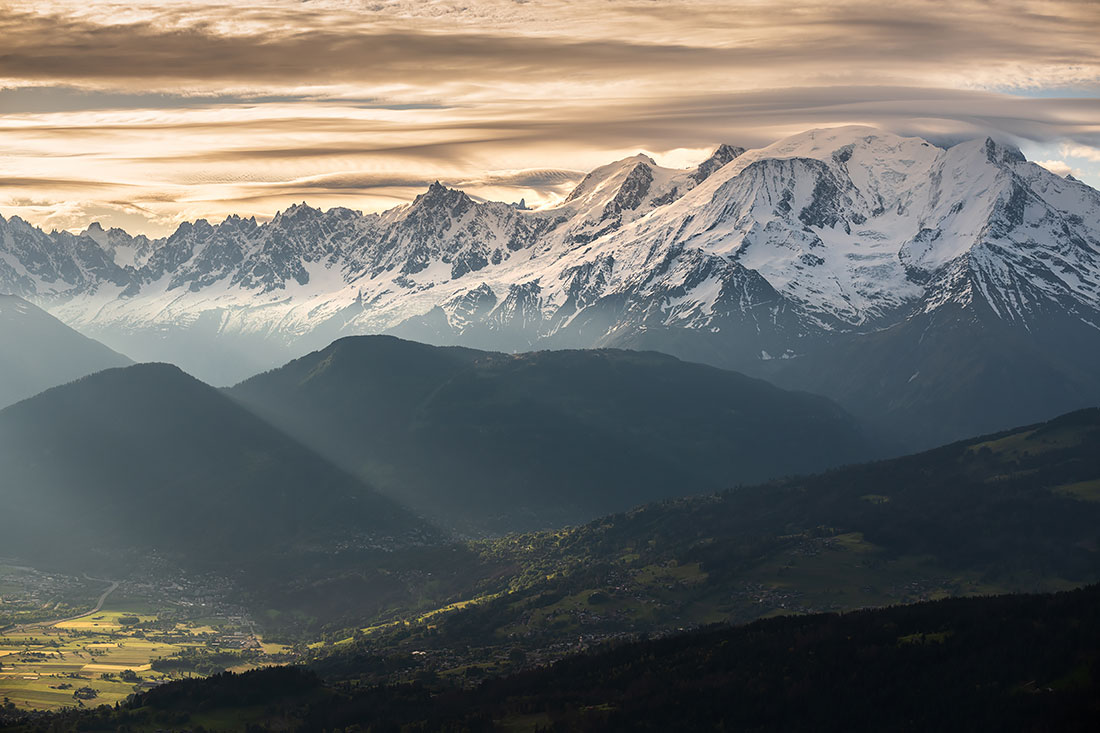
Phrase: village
(77, 642)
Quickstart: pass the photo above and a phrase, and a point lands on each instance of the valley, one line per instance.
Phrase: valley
(146, 630)
(904, 531)
(885, 666)
(497, 366)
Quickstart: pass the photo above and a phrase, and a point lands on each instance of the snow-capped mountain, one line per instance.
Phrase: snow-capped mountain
(782, 254)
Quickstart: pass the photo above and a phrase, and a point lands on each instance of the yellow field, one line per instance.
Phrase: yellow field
(101, 621)
(115, 667)
(44, 665)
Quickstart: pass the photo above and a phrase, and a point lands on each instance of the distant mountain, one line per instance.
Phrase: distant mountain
(941, 292)
(489, 441)
(37, 351)
(147, 458)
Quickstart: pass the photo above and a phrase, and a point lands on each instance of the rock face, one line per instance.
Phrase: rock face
(829, 260)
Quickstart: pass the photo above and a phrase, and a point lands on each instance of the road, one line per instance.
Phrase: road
(98, 605)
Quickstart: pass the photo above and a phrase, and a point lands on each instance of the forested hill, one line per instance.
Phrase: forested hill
(1025, 663)
(1017, 511)
(148, 458)
(484, 441)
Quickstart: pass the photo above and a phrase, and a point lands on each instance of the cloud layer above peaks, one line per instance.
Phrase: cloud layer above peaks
(144, 114)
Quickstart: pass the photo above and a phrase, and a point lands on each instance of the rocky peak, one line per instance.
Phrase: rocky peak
(632, 193)
(724, 154)
(1002, 153)
(296, 212)
(597, 178)
(440, 198)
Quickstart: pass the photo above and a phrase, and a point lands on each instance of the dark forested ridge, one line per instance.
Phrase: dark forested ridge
(1016, 511)
(1023, 662)
(1013, 512)
(147, 458)
(488, 441)
(369, 595)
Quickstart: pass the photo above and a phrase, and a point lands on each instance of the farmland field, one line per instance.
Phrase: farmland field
(104, 656)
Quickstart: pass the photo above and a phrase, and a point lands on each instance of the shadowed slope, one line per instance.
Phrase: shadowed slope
(148, 457)
(505, 442)
(37, 351)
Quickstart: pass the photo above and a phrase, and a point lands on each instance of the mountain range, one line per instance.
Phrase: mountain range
(346, 449)
(935, 292)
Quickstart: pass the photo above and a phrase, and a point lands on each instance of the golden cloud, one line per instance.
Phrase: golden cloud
(200, 109)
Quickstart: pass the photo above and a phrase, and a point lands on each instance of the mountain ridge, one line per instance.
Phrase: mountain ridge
(502, 442)
(752, 259)
(41, 352)
(147, 458)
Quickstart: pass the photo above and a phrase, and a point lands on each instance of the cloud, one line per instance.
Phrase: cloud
(366, 180)
(283, 45)
(61, 184)
(1059, 167)
(1082, 151)
(533, 178)
(195, 108)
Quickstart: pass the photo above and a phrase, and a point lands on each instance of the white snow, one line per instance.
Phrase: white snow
(855, 228)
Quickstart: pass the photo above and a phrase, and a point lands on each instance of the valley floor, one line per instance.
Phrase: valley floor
(150, 633)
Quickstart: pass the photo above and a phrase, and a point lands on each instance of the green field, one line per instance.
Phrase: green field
(1082, 490)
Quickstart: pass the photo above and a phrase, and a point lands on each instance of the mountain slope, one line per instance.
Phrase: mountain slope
(1020, 662)
(1010, 512)
(148, 458)
(40, 351)
(957, 368)
(1014, 510)
(788, 262)
(504, 442)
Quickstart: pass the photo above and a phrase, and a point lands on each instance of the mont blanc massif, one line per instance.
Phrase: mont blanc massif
(802, 438)
(941, 291)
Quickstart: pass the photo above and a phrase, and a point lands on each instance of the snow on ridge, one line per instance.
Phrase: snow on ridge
(853, 227)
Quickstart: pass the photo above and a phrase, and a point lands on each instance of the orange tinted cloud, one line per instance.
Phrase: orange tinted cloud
(149, 113)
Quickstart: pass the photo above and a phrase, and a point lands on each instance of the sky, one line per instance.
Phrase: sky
(145, 114)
